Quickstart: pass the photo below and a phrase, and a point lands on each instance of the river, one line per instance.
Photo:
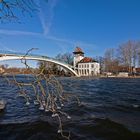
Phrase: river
(110, 110)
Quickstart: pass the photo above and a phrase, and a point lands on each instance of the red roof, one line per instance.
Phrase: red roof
(78, 50)
(87, 60)
(137, 69)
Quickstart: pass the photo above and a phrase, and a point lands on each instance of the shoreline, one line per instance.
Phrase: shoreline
(109, 77)
(129, 77)
(84, 77)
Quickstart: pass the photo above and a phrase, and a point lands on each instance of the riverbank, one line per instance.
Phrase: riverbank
(119, 77)
(108, 77)
(83, 77)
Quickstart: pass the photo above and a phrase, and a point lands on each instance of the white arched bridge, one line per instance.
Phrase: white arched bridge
(18, 56)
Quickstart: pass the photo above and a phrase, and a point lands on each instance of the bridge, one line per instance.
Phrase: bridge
(18, 56)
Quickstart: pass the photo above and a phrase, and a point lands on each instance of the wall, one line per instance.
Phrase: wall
(88, 69)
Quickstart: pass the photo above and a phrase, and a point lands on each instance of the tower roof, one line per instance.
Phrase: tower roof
(78, 50)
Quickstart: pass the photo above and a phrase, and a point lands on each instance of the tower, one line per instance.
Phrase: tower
(78, 55)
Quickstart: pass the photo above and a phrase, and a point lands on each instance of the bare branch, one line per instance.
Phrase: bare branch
(48, 93)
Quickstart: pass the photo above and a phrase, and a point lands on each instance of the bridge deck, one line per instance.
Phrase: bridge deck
(9, 55)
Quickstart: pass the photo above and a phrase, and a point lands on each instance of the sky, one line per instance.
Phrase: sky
(61, 25)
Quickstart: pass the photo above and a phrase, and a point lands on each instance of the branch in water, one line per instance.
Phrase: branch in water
(48, 93)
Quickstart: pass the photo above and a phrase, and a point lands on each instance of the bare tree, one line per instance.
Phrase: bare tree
(9, 9)
(108, 58)
(48, 93)
(101, 61)
(128, 54)
(66, 57)
(125, 58)
(138, 53)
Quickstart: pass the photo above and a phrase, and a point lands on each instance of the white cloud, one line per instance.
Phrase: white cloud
(3, 47)
(17, 32)
(62, 43)
(62, 40)
(46, 14)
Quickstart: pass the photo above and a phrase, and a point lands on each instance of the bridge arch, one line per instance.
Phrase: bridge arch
(40, 58)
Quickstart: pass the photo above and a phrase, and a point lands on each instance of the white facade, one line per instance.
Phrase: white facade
(76, 59)
(85, 66)
(88, 69)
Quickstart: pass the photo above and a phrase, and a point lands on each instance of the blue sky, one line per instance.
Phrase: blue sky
(61, 25)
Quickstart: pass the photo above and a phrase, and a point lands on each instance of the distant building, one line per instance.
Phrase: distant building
(137, 70)
(1, 70)
(123, 74)
(85, 66)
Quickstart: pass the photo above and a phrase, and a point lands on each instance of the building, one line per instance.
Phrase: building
(85, 66)
(1, 70)
(123, 74)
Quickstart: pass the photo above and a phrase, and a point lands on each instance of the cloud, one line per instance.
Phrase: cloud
(53, 38)
(63, 44)
(62, 40)
(17, 32)
(46, 14)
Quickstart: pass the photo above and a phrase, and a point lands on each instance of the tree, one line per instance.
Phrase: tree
(5, 66)
(9, 9)
(138, 53)
(49, 68)
(49, 95)
(101, 61)
(128, 54)
(42, 67)
(66, 57)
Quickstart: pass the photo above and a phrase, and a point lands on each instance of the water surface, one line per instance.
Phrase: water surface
(110, 110)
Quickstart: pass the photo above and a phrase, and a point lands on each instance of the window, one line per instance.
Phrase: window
(82, 72)
(87, 71)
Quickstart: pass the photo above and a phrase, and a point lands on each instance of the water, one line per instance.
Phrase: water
(110, 110)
